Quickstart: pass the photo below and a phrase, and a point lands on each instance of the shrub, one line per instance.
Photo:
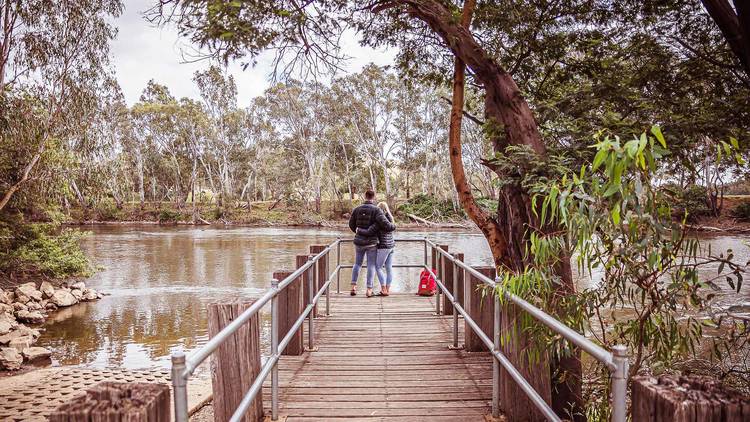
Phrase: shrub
(691, 200)
(169, 216)
(742, 211)
(431, 208)
(41, 248)
(106, 210)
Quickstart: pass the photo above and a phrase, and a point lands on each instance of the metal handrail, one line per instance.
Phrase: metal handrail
(183, 367)
(616, 361)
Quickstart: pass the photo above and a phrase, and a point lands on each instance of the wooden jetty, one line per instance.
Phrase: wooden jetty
(384, 359)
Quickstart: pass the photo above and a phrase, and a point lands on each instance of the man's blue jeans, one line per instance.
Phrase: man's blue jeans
(372, 258)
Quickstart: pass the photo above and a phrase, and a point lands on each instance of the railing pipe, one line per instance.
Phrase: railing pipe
(620, 383)
(179, 386)
(275, 352)
(247, 400)
(570, 334)
(455, 314)
(535, 398)
(197, 357)
(495, 363)
(312, 276)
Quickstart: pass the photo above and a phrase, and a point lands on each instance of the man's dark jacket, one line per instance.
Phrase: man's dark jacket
(363, 217)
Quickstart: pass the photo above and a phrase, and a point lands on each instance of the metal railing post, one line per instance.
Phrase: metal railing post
(455, 311)
(338, 265)
(620, 383)
(495, 363)
(311, 316)
(179, 387)
(275, 351)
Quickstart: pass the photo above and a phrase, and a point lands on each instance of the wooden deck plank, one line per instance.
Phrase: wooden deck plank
(384, 359)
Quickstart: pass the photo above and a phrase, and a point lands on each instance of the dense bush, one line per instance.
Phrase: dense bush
(691, 200)
(170, 216)
(742, 211)
(41, 248)
(106, 210)
(431, 208)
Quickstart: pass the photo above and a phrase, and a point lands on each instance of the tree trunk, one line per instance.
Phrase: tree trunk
(507, 112)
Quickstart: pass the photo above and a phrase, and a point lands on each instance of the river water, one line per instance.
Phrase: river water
(160, 279)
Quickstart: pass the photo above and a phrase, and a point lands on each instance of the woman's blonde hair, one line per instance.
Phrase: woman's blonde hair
(384, 206)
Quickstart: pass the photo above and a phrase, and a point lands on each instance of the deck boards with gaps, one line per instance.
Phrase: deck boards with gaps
(384, 359)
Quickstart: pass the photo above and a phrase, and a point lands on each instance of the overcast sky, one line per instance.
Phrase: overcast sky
(142, 52)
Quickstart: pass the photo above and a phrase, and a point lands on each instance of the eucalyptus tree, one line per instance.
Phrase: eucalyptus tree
(229, 125)
(293, 109)
(371, 96)
(54, 55)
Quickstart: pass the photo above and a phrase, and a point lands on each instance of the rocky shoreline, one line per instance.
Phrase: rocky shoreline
(29, 304)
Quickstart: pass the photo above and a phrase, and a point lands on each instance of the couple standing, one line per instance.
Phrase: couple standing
(373, 227)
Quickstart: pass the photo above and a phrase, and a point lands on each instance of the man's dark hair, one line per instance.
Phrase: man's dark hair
(370, 194)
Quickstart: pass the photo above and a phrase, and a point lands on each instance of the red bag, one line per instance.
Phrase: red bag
(427, 284)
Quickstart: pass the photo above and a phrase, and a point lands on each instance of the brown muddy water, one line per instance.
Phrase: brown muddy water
(160, 279)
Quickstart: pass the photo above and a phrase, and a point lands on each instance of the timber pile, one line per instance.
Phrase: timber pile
(114, 401)
(686, 399)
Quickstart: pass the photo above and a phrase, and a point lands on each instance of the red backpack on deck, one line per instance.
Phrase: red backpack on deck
(427, 284)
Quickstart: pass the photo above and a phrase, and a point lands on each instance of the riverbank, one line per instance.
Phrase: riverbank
(256, 214)
(334, 215)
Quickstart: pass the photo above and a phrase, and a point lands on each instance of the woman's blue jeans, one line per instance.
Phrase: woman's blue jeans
(372, 258)
(385, 258)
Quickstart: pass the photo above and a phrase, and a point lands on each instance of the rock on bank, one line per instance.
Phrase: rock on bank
(29, 304)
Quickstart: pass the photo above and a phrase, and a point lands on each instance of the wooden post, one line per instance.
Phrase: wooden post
(436, 261)
(447, 271)
(321, 268)
(460, 293)
(115, 401)
(516, 345)
(686, 399)
(302, 260)
(291, 305)
(236, 363)
(481, 310)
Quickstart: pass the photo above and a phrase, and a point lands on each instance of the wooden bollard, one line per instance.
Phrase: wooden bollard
(515, 344)
(115, 401)
(686, 399)
(481, 310)
(447, 274)
(236, 362)
(322, 270)
(291, 305)
(302, 260)
(436, 261)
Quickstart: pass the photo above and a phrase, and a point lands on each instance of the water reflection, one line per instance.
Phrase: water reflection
(159, 281)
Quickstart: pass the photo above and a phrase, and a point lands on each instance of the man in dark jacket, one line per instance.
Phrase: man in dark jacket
(363, 217)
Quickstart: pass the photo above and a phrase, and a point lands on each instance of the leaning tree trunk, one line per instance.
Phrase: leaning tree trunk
(511, 122)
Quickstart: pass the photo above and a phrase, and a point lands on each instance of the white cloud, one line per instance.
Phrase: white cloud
(142, 52)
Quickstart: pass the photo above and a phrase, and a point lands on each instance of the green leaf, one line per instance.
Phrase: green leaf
(601, 155)
(611, 190)
(616, 213)
(656, 130)
(631, 147)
